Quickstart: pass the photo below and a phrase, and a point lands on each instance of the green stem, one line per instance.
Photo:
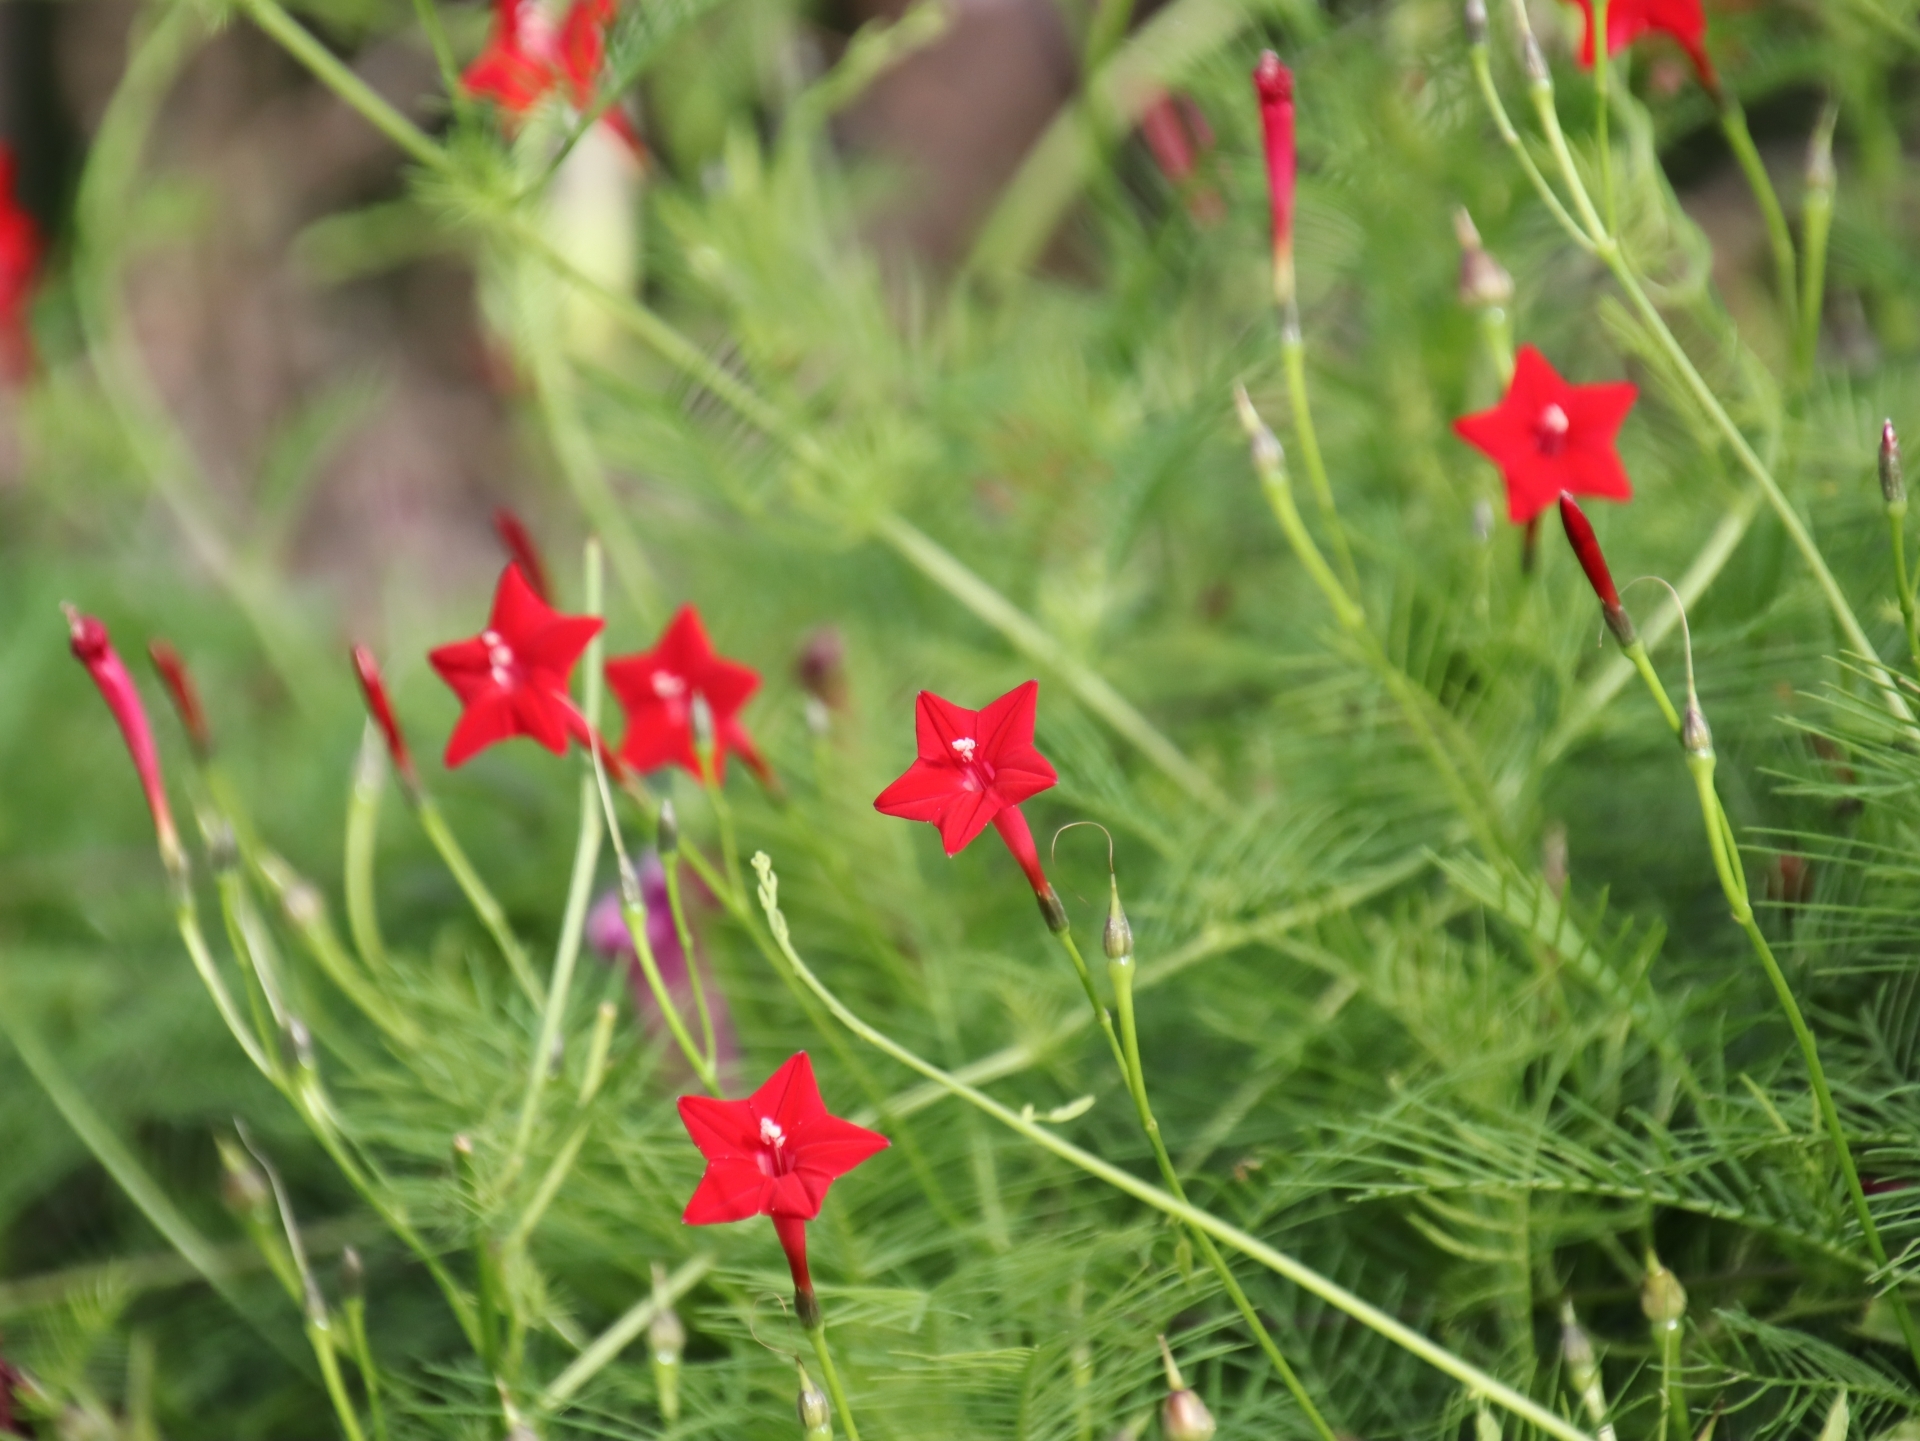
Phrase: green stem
(1733, 124)
(1122, 973)
(1673, 1395)
(1897, 533)
(1250, 1246)
(1816, 223)
(1483, 74)
(320, 1336)
(1603, 111)
(363, 827)
(1100, 1012)
(300, 43)
(442, 48)
(1270, 464)
(492, 914)
(356, 1309)
(818, 1335)
(1637, 653)
(586, 855)
(1293, 356)
(187, 918)
(683, 932)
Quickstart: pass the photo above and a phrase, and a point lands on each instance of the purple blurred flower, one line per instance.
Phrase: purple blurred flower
(607, 933)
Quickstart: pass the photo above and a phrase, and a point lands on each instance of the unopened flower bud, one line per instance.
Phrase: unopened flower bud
(242, 1188)
(667, 834)
(1051, 909)
(1662, 1297)
(1475, 16)
(94, 650)
(523, 552)
(816, 1417)
(1583, 1367)
(821, 667)
(1586, 549)
(184, 695)
(666, 1340)
(1484, 282)
(1696, 738)
(1534, 61)
(373, 688)
(1892, 488)
(1117, 938)
(1185, 1417)
(1268, 458)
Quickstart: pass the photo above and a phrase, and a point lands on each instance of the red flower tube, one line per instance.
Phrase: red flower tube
(1586, 549)
(1273, 83)
(373, 687)
(774, 1154)
(973, 769)
(184, 695)
(93, 649)
(523, 551)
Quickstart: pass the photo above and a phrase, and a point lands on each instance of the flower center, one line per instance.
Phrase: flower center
(500, 659)
(771, 1134)
(774, 1159)
(668, 686)
(1550, 430)
(975, 775)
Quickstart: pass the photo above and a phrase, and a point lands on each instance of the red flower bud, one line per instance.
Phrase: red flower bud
(380, 707)
(523, 551)
(1586, 549)
(93, 649)
(184, 695)
(1893, 489)
(1273, 83)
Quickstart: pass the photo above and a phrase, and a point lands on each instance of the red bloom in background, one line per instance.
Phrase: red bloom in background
(1548, 436)
(974, 768)
(1628, 20)
(1177, 135)
(526, 61)
(774, 1154)
(1273, 83)
(19, 258)
(512, 677)
(657, 688)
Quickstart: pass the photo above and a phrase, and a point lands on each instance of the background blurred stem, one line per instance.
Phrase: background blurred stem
(363, 829)
(1294, 359)
(492, 915)
(1733, 124)
(1816, 221)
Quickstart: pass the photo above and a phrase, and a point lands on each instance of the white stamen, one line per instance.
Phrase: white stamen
(499, 657)
(667, 685)
(1554, 420)
(771, 1134)
(965, 746)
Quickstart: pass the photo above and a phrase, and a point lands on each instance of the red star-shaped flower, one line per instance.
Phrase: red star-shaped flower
(974, 768)
(657, 688)
(526, 60)
(774, 1154)
(512, 677)
(1628, 20)
(1548, 436)
(19, 259)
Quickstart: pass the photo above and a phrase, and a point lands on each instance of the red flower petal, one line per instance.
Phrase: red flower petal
(731, 1190)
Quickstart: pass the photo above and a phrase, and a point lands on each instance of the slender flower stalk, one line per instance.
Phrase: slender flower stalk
(1816, 221)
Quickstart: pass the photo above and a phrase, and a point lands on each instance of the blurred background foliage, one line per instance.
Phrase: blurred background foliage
(285, 378)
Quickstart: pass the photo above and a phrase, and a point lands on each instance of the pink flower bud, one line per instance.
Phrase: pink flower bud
(1273, 83)
(374, 687)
